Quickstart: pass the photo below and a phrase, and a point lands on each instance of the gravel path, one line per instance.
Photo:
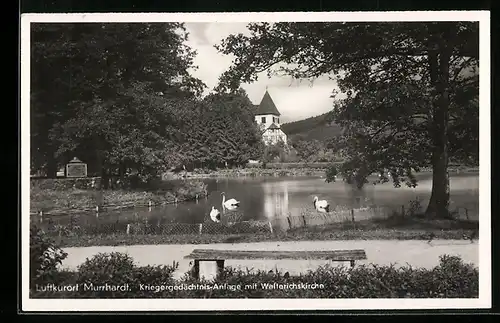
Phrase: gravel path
(381, 252)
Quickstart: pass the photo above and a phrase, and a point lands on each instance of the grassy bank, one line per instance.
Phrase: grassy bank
(60, 199)
(394, 228)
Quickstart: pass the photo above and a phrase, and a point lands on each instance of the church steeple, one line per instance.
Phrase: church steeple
(267, 106)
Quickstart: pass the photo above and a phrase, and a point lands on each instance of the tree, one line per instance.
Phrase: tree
(313, 151)
(110, 93)
(217, 131)
(407, 85)
(275, 151)
(233, 135)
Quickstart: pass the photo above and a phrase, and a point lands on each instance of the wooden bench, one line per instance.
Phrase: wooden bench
(219, 256)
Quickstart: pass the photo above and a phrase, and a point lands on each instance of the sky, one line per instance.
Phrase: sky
(295, 100)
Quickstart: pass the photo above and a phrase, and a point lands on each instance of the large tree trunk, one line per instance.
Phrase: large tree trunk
(440, 196)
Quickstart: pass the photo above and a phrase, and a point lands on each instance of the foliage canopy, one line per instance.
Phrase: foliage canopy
(410, 90)
(121, 97)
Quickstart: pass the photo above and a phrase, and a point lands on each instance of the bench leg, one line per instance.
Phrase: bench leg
(196, 269)
(220, 267)
(352, 263)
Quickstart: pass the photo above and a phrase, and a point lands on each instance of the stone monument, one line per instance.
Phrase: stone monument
(76, 168)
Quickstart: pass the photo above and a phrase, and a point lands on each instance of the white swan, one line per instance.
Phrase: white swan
(230, 204)
(321, 205)
(215, 215)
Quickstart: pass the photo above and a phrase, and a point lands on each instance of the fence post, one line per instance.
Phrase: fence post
(304, 219)
(289, 222)
(128, 229)
(402, 210)
(200, 227)
(352, 218)
(270, 227)
(466, 213)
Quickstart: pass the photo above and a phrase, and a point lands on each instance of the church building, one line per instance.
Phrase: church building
(267, 117)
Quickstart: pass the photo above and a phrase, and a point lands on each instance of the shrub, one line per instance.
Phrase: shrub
(45, 257)
(154, 276)
(118, 269)
(106, 268)
(99, 276)
(450, 279)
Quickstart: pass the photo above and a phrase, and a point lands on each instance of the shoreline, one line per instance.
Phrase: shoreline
(283, 171)
(53, 201)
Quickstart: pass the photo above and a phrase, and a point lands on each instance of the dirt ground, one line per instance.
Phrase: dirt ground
(381, 252)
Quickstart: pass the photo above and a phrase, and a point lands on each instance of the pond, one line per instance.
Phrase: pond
(266, 198)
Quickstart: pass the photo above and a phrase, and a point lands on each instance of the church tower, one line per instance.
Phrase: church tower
(267, 117)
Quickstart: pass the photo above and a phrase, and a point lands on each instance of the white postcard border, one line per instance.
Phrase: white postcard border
(484, 300)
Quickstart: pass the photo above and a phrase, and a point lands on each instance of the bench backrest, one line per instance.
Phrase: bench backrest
(214, 254)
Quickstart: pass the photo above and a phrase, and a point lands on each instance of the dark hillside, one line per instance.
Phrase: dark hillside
(318, 128)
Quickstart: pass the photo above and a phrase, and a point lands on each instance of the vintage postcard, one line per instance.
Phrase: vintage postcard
(255, 161)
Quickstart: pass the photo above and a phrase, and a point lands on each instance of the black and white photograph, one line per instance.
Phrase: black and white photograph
(255, 161)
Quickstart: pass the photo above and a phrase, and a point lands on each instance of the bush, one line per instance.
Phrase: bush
(108, 275)
(45, 257)
(113, 269)
(450, 279)
(107, 268)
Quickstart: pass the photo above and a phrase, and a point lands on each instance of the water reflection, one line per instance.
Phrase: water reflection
(275, 199)
(266, 198)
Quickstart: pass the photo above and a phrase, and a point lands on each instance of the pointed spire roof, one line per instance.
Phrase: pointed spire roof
(267, 106)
